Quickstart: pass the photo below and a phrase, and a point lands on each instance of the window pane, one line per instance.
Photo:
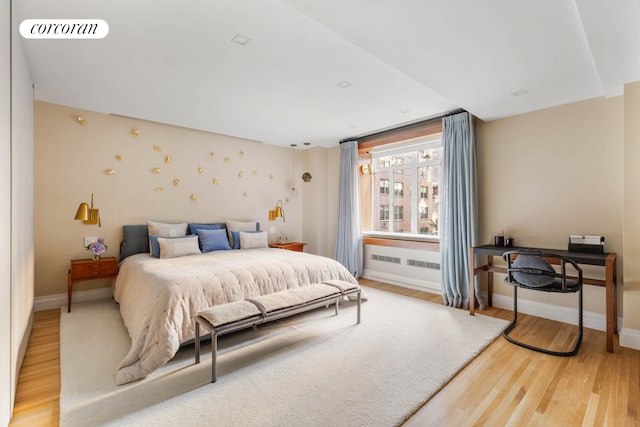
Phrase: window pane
(380, 208)
(402, 200)
(428, 200)
(384, 186)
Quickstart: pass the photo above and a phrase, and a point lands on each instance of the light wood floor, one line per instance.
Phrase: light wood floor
(38, 395)
(504, 385)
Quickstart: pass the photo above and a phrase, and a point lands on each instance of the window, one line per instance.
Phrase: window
(384, 213)
(413, 172)
(424, 190)
(424, 210)
(384, 186)
(398, 189)
(398, 213)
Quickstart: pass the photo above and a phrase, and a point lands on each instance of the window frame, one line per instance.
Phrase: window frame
(406, 163)
(392, 138)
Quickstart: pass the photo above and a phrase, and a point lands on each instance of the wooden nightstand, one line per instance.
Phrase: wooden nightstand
(290, 246)
(88, 269)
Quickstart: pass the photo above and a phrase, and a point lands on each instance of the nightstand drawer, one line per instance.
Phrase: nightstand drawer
(85, 269)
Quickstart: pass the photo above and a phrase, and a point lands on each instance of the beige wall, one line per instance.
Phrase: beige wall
(631, 251)
(551, 173)
(70, 164)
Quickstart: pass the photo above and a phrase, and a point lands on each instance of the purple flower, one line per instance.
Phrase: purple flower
(97, 247)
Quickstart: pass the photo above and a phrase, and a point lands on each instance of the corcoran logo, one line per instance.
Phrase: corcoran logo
(64, 29)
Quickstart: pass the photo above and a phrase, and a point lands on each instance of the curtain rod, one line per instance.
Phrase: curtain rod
(408, 125)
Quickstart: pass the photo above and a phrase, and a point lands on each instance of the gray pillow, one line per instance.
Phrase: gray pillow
(539, 272)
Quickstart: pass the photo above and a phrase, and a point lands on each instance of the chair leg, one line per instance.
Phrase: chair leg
(513, 323)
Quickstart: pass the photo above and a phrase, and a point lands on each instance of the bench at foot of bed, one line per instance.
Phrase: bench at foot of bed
(237, 315)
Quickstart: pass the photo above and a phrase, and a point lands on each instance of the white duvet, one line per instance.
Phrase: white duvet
(159, 297)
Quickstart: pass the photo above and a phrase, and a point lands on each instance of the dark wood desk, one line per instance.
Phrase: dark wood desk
(606, 260)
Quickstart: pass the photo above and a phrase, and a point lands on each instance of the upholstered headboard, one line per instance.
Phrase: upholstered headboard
(135, 238)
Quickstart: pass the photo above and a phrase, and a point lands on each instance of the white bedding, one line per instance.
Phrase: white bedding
(159, 297)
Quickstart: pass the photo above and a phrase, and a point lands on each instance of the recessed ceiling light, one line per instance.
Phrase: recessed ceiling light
(405, 110)
(293, 145)
(344, 84)
(520, 92)
(241, 40)
(306, 143)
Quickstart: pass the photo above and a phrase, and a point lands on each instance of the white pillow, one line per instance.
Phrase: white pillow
(181, 246)
(162, 229)
(167, 230)
(253, 240)
(239, 226)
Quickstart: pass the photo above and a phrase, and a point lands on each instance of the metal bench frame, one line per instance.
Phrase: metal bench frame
(266, 317)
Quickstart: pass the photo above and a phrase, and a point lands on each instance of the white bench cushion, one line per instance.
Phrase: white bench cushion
(293, 297)
(219, 315)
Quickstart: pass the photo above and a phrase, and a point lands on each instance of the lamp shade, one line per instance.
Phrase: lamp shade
(83, 212)
(277, 212)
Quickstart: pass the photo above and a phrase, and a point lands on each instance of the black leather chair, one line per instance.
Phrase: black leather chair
(530, 270)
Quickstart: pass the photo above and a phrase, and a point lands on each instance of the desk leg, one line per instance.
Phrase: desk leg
(69, 291)
(612, 300)
(489, 281)
(472, 275)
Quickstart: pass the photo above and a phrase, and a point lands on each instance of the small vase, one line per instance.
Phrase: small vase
(95, 257)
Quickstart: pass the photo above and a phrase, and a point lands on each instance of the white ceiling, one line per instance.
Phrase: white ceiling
(175, 62)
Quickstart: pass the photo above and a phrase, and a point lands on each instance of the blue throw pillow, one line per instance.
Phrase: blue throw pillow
(540, 273)
(213, 240)
(155, 246)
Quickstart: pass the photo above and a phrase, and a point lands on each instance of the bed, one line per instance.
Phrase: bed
(159, 296)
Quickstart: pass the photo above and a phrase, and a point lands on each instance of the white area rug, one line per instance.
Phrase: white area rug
(316, 369)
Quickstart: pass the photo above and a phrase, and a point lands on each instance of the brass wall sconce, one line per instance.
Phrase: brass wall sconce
(88, 214)
(366, 169)
(81, 120)
(135, 132)
(277, 212)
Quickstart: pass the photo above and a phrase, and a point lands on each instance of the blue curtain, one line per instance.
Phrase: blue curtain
(349, 238)
(458, 209)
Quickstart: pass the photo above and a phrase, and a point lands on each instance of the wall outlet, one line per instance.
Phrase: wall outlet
(88, 240)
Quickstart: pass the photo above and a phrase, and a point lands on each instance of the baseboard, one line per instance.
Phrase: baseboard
(407, 282)
(630, 338)
(48, 302)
